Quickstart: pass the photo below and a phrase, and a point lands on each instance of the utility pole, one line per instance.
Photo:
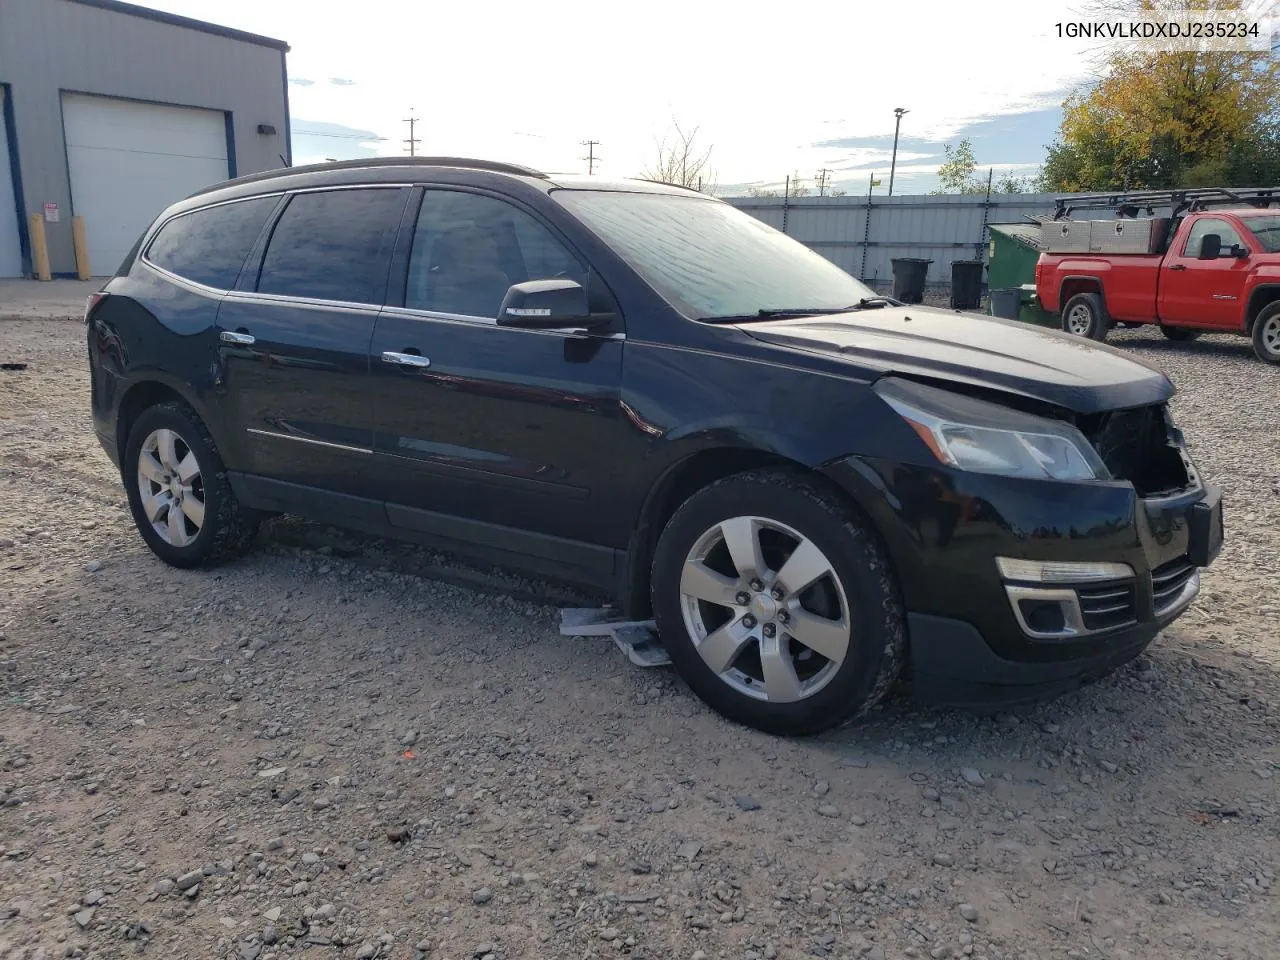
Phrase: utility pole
(591, 157)
(897, 112)
(822, 178)
(413, 141)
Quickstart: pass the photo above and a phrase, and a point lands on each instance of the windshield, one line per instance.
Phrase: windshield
(1267, 230)
(710, 260)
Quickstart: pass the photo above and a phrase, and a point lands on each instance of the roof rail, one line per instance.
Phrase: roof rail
(492, 166)
(1180, 201)
(666, 183)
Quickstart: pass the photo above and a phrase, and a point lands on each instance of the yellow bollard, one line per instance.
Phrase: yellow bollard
(82, 248)
(39, 248)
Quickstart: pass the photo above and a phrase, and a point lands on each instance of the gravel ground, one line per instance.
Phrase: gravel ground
(318, 752)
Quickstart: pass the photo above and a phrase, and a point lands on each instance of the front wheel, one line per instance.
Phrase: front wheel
(1179, 334)
(1085, 316)
(777, 604)
(1266, 334)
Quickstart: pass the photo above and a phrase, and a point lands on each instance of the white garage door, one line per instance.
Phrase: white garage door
(130, 160)
(10, 249)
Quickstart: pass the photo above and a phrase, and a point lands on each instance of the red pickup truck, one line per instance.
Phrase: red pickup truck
(1219, 272)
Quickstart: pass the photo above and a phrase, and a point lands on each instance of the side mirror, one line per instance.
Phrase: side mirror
(1239, 251)
(1210, 246)
(545, 303)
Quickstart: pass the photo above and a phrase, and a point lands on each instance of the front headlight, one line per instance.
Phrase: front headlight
(988, 438)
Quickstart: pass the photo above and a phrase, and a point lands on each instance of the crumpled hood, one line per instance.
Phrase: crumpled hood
(1048, 365)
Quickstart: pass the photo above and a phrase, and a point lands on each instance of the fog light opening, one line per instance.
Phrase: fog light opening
(1043, 616)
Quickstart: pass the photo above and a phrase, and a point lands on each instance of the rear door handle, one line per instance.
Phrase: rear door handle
(1178, 266)
(239, 339)
(405, 359)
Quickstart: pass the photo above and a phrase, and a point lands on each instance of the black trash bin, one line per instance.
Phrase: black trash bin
(966, 284)
(908, 278)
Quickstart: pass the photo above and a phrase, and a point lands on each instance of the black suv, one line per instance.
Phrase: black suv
(636, 387)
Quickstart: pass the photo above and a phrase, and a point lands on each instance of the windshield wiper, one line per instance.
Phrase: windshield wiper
(783, 313)
(872, 303)
(778, 313)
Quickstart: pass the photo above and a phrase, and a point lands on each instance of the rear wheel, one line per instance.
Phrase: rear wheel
(1266, 334)
(181, 501)
(777, 604)
(1179, 334)
(1085, 316)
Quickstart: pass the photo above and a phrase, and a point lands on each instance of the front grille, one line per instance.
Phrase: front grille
(1107, 606)
(1167, 581)
(1139, 445)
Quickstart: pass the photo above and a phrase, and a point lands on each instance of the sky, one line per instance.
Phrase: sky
(771, 89)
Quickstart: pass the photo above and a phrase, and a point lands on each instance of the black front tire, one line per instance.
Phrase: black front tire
(877, 636)
(1085, 315)
(1266, 334)
(227, 529)
(1179, 334)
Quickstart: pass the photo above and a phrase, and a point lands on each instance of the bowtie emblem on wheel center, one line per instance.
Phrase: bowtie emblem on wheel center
(763, 607)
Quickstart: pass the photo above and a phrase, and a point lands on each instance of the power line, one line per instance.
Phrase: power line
(822, 179)
(591, 157)
(337, 136)
(412, 141)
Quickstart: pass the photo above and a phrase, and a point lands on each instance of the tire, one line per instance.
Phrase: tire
(787, 516)
(212, 526)
(1266, 334)
(1179, 334)
(1085, 315)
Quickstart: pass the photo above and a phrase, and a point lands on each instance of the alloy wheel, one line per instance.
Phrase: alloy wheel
(765, 609)
(171, 487)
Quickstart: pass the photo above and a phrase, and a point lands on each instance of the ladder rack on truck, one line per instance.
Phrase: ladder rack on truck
(1129, 205)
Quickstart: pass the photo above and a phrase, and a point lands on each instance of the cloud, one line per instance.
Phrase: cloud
(301, 81)
(316, 140)
(341, 82)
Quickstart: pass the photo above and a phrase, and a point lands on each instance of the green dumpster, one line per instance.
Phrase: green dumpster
(1012, 255)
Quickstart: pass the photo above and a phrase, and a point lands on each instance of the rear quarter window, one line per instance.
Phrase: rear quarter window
(209, 246)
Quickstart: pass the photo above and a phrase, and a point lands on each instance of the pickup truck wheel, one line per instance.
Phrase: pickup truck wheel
(1179, 334)
(1085, 316)
(777, 603)
(1266, 334)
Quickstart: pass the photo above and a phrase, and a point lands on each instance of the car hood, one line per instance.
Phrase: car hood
(1048, 365)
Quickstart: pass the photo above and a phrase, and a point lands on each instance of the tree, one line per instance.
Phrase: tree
(1170, 118)
(682, 161)
(1011, 184)
(956, 175)
(762, 192)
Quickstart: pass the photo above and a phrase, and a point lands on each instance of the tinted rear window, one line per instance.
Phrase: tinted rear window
(209, 246)
(334, 245)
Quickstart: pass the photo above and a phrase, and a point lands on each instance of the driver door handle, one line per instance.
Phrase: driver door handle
(1178, 266)
(239, 339)
(405, 359)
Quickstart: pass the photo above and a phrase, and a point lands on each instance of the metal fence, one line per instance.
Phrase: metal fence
(863, 234)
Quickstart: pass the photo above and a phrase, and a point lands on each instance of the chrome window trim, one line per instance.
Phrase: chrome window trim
(194, 284)
(250, 296)
(319, 443)
(414, 313)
